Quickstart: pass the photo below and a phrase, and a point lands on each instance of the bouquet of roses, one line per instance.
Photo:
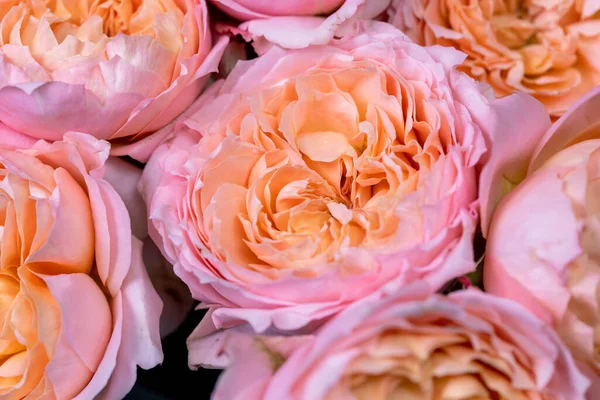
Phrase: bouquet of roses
(364, 199)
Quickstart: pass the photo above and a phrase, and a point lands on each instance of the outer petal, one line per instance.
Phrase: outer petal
(530, 243)
(124, 177)
(247, 10)
(11, 139)
(515, 125)
(140, 311)
(86, 329)
(580, 122)
(50, 109)
(299, 32)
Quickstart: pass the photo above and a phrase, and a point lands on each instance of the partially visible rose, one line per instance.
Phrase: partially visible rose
(542, 246)
(117, 70)
(468, 345)
(312, 178)
(547, 49)
(253, 9)
(79, 313)
(297, 24)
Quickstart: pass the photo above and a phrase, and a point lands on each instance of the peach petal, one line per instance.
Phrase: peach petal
(323, 146)
(71, 211)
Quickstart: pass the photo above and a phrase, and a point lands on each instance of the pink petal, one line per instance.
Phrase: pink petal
(140, 341)
(86, 329)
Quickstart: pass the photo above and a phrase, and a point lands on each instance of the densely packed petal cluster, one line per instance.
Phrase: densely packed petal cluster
(346, 168)
(76, 300)
(464, 346)
(119, 70)
(322, 196)
(546, 48)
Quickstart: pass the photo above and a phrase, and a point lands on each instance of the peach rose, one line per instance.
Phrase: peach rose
(468, 345)
(119, 70)
(546, 48)
(79, 313)
(542, 245)
(309, 179)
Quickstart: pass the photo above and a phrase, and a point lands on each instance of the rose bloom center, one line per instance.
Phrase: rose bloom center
(316, 165)
(438, 364)
(27, 22)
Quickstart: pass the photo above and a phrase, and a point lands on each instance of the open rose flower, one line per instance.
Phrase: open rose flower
(542, 247)
(79, 313)
(313, 178)
(119, 70)
(296, 24)
(546, 48)
(466, 346)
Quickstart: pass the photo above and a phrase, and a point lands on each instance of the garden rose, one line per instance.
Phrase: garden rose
(547, 49)
(542, 243)
(311, 178)
(253, 9)
(79, 313)
(297, 24)
(468, 345)
(117, 70)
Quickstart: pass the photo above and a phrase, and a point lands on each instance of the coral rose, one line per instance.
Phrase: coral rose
(79, 313)
(311, 178)
(542, 245)
(466, 346)
(546, 48)
(118, 70)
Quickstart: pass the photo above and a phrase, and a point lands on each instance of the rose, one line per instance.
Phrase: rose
(323, 175)
(296, 24)
(541, 248)
(117, 70)
(253, 9)
(546, 49)
(464, 346)
(79, 313)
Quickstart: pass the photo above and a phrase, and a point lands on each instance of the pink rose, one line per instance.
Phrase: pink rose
(79, 311)
(468, 345)
(312, 178)
(297, 24)
(117, 70)
(548, 49)
(542, 246)
(253, 9)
